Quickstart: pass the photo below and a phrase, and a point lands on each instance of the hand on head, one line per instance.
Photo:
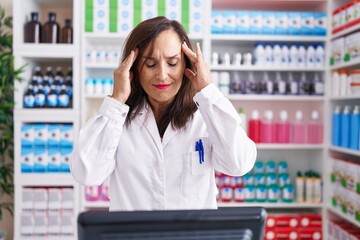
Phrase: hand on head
(199, 75)
(123, 76)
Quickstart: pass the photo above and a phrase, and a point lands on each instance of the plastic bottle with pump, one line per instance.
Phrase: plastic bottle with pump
(255, 126)
(355, 128)
(346, 127)
(32, 29)
(299, 129)
(268, 128)
(315, 129)
(336, 127)
(283, 128)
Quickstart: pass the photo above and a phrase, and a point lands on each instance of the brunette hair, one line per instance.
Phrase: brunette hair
(142, 37)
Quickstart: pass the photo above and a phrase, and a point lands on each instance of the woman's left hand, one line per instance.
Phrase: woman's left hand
(200, 75)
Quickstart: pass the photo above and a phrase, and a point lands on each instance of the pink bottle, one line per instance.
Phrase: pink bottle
(268, 128)
(283, 128)
(315, 129)
(255, 127)
(299, 129)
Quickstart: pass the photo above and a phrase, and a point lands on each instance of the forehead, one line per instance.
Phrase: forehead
(166, 43)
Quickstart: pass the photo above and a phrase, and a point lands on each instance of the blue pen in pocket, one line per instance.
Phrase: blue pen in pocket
(198, 149)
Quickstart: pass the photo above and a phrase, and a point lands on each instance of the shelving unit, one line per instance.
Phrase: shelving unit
(43, 55)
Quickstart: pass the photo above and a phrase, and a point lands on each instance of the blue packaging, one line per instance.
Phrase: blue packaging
(54, 159)
(294, 23)
(65, 159)
(67, 136)
(307, 23)
(345, 127)
(40, 159)
(27, 135)
(320, 24)
(217, 22)
(242, 22)
(27, 159)
(336, 127)
(229, 21)
(268, 22)
(355, 128)
(281, 23)
(256, 22)
(40, 135)
(53, 135)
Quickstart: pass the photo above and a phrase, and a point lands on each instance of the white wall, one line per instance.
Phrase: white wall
(7, 222)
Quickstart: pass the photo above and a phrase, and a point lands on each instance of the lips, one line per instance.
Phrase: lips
(162, 86)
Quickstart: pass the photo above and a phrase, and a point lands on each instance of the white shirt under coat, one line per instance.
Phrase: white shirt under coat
(150, 173)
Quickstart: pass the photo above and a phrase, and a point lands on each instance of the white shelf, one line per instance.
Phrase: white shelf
(251, 97)
(290, 146)
(45, 50)
(47, 115)
(266, 68)
(118, 36)
(350, 65)
(112, 66)
(343, 216)
(280, 205)
(45, 179)
(345, 150)
(95, 96)
(95, 204)
(47, 238)
(345, 31)
(271, 38)
(354, 97)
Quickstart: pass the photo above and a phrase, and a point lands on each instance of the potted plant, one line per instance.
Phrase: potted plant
(8, 74)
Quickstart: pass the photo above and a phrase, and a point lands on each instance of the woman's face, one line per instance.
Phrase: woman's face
(162, 72)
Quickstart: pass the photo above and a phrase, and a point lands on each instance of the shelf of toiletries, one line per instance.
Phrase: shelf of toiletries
(242, 67)
(266, 38)
(273, 205)
(51, 179)
(339, 213)
(337, 227)
(50, 51)
(344, 51)
(253, 97)
(345, 19)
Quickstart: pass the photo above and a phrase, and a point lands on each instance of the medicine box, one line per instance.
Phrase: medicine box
(256, 22)
(242, 22)
(281, 23)
(307, 23)
(294, 19)
(40, 135)
(27, 135)
(217, 22)
(268, 22)
(27, 159)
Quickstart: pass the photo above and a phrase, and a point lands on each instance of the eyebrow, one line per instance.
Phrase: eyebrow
(169, 57)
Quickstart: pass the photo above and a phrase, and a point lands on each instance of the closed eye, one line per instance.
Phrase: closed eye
(172, 64)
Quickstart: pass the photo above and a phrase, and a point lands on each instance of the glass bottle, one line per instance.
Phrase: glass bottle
(67, 32)
(32, 29)
(51, 30)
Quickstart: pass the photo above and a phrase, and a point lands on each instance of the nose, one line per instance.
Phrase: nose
(162, 72)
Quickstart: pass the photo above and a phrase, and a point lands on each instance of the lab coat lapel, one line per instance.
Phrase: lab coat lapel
(168, 135)
(146, 119)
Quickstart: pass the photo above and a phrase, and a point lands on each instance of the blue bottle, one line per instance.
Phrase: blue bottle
(355, 128)
(345, 127)
(336, 127)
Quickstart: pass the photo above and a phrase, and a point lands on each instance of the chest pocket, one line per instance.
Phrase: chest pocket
(197, 177)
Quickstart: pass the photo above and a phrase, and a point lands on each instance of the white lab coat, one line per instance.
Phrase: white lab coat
(150, 173)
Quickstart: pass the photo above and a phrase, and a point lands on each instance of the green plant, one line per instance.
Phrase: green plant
(8, 74)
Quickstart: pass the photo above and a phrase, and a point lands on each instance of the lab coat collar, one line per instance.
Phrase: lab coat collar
(146, 119)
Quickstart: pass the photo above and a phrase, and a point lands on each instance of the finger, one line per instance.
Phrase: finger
(190, 74)
(198, 51)
(189, 53)
(129, 60)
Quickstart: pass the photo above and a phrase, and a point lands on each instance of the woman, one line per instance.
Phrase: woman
(164, 130)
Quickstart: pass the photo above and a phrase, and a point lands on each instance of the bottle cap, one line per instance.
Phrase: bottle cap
(255, 114)
(314, 115)
(283, 115)
(337, 109)
(356, 109)
(269, 115)
(298, 115)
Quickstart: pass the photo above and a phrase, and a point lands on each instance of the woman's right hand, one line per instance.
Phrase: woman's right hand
(123, 77)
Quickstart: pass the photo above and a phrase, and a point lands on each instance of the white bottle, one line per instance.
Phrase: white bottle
(320, 56)
(335, 78)
(310, 56)
(318, 84)
(224, 83)
(277, 55)
(285, 54)
(294, 55)
(268, 83)
(281, 83)
(215, 58)
(259, 54)
(301, 56)
(268, 55)
(294, 85)
(343, 82)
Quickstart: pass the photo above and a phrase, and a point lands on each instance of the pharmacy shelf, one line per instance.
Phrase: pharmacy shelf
(112, 66)
(343, 216)
(95, 204)
(43, 50)
(280, 205)
(267, 38)
(44, 179)
(266, 68)
(118, 36)
(348, 65)
(345, 150)
(346, 31)
(344, 98)
(48, 115)
(290, 146)
(46, 238)
(251, 97)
